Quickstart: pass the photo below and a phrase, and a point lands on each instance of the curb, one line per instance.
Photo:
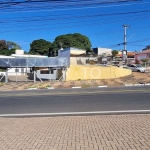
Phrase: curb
(32, 88)
(102, 86)
(147, 84)
(50, 88)
(137, 84)
(129, 84)
(76, 87)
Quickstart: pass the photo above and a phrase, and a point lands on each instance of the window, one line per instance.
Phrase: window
(22, 70)
(139, 66)
(16, 70)
(46, 72)
(132, 66)
(52, 71)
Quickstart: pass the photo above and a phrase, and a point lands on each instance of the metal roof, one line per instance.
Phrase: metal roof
(33, 62)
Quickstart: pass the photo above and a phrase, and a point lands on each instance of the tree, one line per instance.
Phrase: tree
(40, 47)
(7, 47)
(3, 45)
(144, 60)
(137, 61)
(12, 45)
(147, 47)
(71, 40)
(114, 53)
(7, 52)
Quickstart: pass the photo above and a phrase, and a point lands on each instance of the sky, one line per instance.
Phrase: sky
(100, 20)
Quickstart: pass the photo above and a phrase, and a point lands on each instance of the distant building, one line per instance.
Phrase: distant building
(72, 54)
(129, 54)
(130, 57)
(20, 54)
(77, 56)
(19, 71)
(145, 54)
(101, 51)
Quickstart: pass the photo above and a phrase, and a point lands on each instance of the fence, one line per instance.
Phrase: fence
(28, 75)
(147, 66)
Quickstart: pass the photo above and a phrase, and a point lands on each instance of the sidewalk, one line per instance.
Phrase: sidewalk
(121, 132)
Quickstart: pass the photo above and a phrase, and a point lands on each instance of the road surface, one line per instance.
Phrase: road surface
(75, 101)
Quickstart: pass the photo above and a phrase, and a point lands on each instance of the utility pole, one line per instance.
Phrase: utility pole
(124, 52)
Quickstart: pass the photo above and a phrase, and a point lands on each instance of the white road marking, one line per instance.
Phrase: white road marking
(102, 86)
(76, 87)
(50, 88)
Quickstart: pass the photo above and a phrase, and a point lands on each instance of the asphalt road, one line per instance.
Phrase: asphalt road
(75, 101)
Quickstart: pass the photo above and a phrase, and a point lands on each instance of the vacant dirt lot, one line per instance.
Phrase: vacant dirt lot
(135, 78)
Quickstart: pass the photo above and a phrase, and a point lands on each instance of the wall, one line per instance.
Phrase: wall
(141, 56)
(47, 76)
(82, 72)
(75, 60)
(104, 50)
(12, 71)
(80, 60)
(59, 74)
(66, 54)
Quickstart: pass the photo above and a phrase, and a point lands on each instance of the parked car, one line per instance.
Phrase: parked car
(136, 68)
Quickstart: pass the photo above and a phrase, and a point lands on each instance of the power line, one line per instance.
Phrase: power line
(137, 41)
(71, 26)
(33, 8)
(77, 17)
(76, 23)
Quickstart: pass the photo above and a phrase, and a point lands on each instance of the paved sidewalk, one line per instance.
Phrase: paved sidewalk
(122, 132)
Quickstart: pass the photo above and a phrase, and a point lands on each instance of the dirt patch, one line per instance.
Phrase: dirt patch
(134, 78)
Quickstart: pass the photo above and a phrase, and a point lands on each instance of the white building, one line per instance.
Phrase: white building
(72, 54)
(19, 71)
(101, 51)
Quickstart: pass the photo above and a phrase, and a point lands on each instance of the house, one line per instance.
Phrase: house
(145, 54)
(77, 56)
(73, 55)
(130, 56)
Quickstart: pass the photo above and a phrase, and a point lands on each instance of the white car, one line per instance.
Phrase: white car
(123, 66)
(136, 68)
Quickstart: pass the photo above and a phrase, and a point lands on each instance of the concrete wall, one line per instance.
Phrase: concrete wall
(100, 51)
(59, 73)
(47, 76)
(76, 72)
(80, 60)
(74, 60)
